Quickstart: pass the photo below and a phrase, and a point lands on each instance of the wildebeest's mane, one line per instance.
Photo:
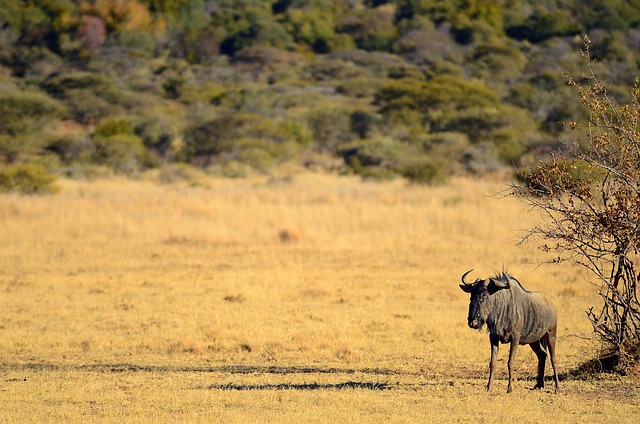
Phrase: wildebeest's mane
(505, 277)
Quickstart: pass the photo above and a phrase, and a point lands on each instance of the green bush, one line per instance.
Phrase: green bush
(171, 173)
(92, 96)
(447, 143)
(362, 123)
(405, 125)
(25, 112)
(123, 153)
(26, 179)
(482, 158)
(331, 69)
(159, 134)
(478, 122)
(426, 171)
(113, 126)
(371, 28)
(201, 92)
(372, 173)
(510, 144)
(263, 155)
(245, 138)
(220, 134)
(449, 148)
(173, 87)
(385, 158)
(443, 92)
(496, 59)
(23, 117)
(510, 129)
(252, 24)
(374, 64)
(469, 31)
(573, 172)
(299, 131)
(137, 41)
(259, 154)
(88, 108)
(360, 87)
(330, 128)
(313, 27)
(59, 85)
(231, 169)
(72, 148)
(246, 156)
(544, 24)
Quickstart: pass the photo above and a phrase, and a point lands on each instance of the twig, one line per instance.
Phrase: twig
(270, 354)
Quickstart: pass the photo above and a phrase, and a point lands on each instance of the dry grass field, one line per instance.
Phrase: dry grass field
(305, 299)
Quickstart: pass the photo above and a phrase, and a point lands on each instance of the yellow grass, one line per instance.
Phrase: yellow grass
(313, 299)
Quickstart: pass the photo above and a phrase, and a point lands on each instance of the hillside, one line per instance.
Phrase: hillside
(419, 88)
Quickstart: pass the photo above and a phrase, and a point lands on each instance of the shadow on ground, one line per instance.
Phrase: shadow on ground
(433, 377)
(225, 369)
(305, 386)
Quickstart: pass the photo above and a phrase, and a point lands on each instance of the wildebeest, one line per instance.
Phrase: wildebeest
(513, 315)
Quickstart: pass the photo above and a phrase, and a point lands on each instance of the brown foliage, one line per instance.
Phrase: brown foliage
(93, 32)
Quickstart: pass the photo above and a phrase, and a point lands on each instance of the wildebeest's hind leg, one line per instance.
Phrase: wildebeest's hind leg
(550, 339)
(542, 358)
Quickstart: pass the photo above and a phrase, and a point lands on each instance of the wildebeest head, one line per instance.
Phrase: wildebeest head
(481, 291)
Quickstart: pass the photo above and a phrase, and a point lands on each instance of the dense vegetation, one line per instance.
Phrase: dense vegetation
(420, 88)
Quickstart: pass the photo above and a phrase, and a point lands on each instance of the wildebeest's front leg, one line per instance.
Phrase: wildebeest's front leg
(495, 344)
(515, 340)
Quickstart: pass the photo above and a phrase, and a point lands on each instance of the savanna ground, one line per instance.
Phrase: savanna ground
(310, 299)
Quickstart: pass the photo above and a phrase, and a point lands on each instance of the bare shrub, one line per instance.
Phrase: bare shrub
(590, 201)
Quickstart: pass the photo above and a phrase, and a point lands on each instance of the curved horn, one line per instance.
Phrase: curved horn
(464, 275)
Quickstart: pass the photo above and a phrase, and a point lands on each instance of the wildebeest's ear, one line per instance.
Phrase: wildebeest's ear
(496, 285)
(467, 288)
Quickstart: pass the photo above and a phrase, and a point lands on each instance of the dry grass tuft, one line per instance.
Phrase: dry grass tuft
(188, 346)
(238, 298)
(288, 236)
(245, 347)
